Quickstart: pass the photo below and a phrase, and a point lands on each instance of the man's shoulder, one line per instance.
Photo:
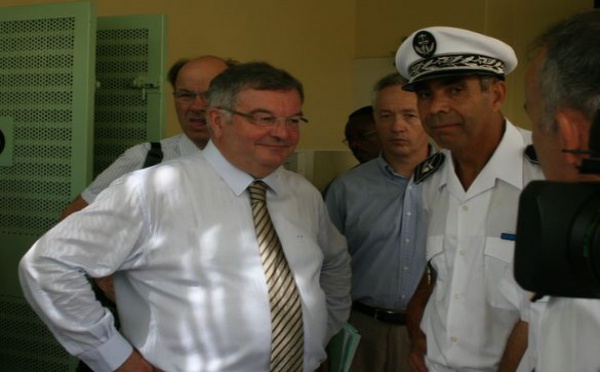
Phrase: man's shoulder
(428, 167)
(358, 177)
(359, 171)
(298, 185)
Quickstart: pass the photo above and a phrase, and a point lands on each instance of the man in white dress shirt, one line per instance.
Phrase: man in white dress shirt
(459, 319)
(562, 91)
(180, 240)
(190, 80)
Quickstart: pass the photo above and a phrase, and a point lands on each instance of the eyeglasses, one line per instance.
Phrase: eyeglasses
(188, 96)
(264, 119)
(359, 137)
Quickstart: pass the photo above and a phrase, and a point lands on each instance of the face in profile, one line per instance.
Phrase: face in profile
(548, 145)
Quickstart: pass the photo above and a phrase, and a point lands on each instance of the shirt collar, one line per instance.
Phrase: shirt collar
(385, 168)
(505, 164)
(235, 178)
(507, 161)
(186, 146)
(389, 171)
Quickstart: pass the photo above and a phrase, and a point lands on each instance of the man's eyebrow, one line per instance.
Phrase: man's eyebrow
(266, 111)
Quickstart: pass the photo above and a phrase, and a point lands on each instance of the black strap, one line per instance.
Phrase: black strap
(154, 156)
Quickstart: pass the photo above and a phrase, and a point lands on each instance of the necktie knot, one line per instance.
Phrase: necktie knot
(258, 191)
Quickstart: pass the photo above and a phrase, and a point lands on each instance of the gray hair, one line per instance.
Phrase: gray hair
(393, 79)
(569, 76)
(224, 88)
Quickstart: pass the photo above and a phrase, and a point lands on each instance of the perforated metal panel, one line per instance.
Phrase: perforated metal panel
(26, 344)
(39, 91)
(129, 106)
(46, 99)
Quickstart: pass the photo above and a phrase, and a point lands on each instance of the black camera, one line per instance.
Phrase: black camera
(557, 250)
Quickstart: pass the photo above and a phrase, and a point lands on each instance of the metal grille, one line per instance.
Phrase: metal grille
(25, 342)
(36, 91)
(120, 115)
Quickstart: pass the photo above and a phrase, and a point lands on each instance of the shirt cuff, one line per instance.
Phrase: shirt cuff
(109, 356)
(88, 196)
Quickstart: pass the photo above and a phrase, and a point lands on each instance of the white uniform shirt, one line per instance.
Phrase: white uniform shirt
(569, 336)
(189, 281)
(133, 159)
(467, 319)
(531, 312)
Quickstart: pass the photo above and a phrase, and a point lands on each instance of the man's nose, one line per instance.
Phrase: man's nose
(200, 102)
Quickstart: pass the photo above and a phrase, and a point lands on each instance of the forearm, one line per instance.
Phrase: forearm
(416, 308)
(414, 315)
(63, 299)
(76, 205)
(515, 347)
(336, 283)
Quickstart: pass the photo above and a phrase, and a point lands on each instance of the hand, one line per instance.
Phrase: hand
(107, 287)
(136, 363)
(416, 356)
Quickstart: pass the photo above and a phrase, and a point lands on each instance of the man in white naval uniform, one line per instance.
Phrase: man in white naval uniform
(459, 319)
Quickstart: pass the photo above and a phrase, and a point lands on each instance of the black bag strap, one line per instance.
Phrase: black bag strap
(154, 156)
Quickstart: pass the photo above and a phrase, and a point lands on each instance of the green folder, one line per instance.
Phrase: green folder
(341, 348)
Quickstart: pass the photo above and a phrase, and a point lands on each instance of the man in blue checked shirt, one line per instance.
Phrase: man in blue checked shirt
(378, 208)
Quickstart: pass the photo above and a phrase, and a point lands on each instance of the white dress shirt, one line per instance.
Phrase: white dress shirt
(133, 159)
(189, 281)
(569, 336)
(470, 244)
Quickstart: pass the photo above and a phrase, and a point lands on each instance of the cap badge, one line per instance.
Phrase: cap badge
(424, 44)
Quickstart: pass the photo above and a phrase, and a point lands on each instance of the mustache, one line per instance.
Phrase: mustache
(440, 121)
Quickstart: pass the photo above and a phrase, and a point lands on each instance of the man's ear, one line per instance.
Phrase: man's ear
(498, 90)
(216, 120)
(574, 131)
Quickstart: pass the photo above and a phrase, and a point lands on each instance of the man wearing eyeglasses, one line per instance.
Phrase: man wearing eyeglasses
(191, 279)
(190, 80)
(377, 207)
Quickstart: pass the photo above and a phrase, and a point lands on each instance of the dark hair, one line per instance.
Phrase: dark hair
(363, 111)
(174, 71)
(224, 88)
(569, 75)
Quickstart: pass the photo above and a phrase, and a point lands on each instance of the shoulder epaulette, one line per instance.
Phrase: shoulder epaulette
(428, 167)
(531, 155)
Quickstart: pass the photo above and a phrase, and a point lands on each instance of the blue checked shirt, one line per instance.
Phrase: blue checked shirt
(380, 213)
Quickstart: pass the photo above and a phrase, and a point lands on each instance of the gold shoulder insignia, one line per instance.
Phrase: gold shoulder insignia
(428, 167)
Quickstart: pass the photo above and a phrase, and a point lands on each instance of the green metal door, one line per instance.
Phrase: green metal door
(46, 106)
(130, 100)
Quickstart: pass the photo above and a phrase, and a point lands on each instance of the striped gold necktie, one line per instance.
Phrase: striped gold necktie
(287, 339)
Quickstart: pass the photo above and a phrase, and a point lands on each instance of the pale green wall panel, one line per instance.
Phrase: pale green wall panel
(46, 91)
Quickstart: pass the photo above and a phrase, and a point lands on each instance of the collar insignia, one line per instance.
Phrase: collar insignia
(531, 155)
(429, 166)
(424, 44)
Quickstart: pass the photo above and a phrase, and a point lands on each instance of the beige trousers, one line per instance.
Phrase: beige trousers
(383, 347)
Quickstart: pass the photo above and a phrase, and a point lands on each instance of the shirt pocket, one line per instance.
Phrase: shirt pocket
(498, 258)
